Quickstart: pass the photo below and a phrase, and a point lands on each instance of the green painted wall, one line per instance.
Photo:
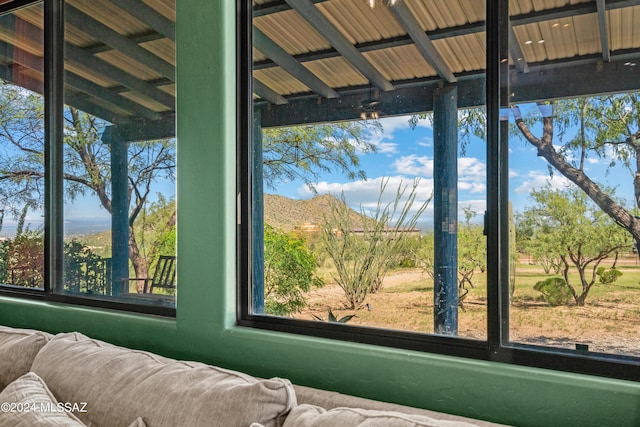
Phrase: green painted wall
(203, 329)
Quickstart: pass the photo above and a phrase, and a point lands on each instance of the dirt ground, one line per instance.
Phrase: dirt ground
(406, 303)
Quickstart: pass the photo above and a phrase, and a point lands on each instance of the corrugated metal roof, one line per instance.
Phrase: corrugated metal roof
(377, 47)
(546, 30)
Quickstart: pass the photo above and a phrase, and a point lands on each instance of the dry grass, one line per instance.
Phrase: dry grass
(610, 321)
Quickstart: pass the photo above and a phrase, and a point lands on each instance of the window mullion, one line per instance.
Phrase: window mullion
(54, 134)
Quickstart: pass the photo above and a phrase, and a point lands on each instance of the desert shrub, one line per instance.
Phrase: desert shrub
(554, 290)
(289, 271)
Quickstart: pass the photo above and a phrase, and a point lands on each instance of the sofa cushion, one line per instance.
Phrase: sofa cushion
(18, 348)
(314, 416)
(331, 399)
(120, 385)
(28, 402)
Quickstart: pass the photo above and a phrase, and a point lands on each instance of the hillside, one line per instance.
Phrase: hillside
(286, 214)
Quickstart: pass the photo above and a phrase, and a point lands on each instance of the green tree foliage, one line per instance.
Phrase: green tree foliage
(85, 271)
(156, 228)
(305, 152)
(608, 128)
(472, 249)
(86, 161)
(362, 251)
(289, 272)
(579, 233)
(23, 256)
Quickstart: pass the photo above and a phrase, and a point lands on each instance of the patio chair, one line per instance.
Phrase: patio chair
(164, 276)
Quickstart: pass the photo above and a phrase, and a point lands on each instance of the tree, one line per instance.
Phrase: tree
(289, 271)
(86, 160)
(579, 233)
(362, 251)
(609, 128)
(303, 152)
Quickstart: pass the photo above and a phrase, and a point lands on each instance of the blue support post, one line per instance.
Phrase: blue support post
(445, 177)
(119, 214)
(257, 216)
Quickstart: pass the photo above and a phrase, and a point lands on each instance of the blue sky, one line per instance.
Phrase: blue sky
(404, 153)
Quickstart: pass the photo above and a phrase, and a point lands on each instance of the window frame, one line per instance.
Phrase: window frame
(497, 347)
(54, 66)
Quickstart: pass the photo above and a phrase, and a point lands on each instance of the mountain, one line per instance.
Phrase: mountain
(286, 214)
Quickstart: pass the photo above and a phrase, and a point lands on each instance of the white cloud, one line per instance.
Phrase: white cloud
(538, 179)
(471, 171)
(414, 165)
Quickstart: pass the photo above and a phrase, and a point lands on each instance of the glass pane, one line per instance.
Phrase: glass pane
(574, 158)
(371, 176)
(22, 148)
(120, 155)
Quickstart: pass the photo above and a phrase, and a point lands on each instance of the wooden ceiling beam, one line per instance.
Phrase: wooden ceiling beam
(117, 41)
(112, 72)
(423, 43)
(288, 63)
(148, 16)
(515, 50)
(602, 29)
(268, 94)
(133, 108)
(322, 25)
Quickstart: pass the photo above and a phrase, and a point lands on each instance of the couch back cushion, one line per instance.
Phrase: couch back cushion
(18, 348)
(119, 385)
(314, 416)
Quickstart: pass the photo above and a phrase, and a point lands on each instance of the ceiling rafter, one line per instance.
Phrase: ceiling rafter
(322, 25)
(118, 42)
(423, 43)
(265, 92)
(78, 55)
(36, 63)
(290, 64)
(602, 28)
(515, 50)
(148, 16)
(461, 30)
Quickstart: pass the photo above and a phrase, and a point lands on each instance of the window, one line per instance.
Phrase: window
(385, 199)
(89, 153)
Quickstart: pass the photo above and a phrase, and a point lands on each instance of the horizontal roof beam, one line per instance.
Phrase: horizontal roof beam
(544, 82)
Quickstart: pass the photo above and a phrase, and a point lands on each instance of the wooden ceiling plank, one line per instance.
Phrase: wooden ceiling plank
(602, 27)
(149, 16)
(117, 41)
(290, 64)
(268, 94)
(322, 25)
(423, 43)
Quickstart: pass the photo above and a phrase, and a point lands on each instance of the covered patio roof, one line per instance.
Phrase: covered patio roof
(324, 60)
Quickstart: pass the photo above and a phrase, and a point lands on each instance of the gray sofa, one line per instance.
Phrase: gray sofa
(72, 380)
